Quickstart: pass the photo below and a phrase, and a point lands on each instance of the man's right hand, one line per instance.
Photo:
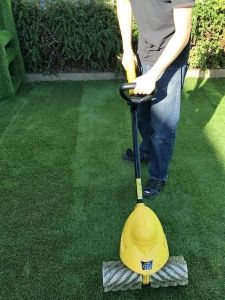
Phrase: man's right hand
(128, 59)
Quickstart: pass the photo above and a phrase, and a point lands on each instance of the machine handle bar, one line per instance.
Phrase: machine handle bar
(132, 98)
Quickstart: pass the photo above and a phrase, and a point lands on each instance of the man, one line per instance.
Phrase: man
(163, 48)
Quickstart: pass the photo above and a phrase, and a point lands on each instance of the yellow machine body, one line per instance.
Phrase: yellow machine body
(143, 246)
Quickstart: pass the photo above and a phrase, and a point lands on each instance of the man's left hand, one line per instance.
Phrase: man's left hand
(145, 84)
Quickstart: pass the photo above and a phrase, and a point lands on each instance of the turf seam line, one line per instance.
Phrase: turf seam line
(4, 133)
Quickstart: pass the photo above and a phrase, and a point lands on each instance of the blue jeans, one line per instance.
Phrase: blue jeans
(158, 120)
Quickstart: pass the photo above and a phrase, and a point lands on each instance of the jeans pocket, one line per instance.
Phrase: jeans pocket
(168, 80)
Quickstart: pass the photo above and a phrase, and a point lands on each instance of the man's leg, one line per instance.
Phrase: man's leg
(158, 130)
(144, 123)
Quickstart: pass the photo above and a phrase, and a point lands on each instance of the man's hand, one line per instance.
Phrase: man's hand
(145, 84)
(128, 59)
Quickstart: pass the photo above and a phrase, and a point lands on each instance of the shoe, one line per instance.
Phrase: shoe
(153, 187)
(129, 156)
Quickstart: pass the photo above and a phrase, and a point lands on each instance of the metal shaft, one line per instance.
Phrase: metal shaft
(137, 165)
(135, 140)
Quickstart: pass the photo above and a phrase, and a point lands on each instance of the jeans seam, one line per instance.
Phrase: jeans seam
(173, 129)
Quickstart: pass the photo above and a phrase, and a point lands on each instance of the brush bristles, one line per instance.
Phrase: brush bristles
(117, 277)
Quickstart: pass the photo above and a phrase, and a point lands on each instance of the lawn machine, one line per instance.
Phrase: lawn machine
(144, 251)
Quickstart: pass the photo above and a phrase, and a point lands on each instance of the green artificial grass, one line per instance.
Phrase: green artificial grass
(66, 193)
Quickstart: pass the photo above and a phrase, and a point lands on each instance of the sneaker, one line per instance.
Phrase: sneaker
(129, 156)
(153, 187)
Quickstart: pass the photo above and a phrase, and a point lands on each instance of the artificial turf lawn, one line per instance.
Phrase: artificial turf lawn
(65, 192)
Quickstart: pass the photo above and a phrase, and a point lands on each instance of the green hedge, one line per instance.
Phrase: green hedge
(67, 35)
(208, 34)
(77, 35)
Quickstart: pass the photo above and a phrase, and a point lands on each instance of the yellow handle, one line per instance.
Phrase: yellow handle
(131, 72)
(139, 188)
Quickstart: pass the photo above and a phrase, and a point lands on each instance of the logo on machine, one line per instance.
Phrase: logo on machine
(147, 265)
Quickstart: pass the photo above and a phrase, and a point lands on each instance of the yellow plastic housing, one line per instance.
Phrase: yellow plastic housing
(143, 246)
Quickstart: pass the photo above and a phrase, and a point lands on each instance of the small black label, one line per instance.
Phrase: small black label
(147, 265)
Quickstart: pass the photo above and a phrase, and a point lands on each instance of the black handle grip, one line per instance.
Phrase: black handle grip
(136, 99)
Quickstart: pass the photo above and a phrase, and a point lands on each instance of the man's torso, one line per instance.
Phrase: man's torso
(156, 26)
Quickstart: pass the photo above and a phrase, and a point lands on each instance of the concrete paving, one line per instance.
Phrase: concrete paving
(194, 73)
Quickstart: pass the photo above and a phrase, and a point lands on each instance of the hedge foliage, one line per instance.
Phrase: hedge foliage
(67, 35)
(78, 35)
(208, 34)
